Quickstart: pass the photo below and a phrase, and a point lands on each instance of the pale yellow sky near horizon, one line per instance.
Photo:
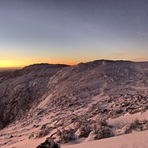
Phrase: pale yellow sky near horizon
(22, 62)
(70, 33)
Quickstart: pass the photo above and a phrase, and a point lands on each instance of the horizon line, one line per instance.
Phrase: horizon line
(20, 67)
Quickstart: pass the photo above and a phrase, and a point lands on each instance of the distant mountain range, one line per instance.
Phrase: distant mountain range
(8, 69)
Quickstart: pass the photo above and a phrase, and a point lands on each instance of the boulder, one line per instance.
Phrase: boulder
(49, 143)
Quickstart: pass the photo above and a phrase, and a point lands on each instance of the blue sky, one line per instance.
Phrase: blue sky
(72, 31)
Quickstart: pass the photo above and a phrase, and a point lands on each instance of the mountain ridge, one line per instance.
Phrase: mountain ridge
(58, 74)
(65, 95)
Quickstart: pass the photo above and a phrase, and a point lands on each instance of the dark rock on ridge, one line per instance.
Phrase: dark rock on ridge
(49, 143)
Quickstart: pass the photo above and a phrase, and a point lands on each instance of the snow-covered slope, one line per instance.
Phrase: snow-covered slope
(135, 140)
(83, 101)
(21, 89)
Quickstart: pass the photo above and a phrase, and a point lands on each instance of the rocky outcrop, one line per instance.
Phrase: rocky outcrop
(49, 143)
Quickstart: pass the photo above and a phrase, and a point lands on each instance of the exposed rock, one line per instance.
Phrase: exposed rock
(83, 128)
(65, 135)
(136, 126)
(43, 132)
(49, 143)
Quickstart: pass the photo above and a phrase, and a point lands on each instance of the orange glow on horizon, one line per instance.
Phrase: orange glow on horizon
(22, 62)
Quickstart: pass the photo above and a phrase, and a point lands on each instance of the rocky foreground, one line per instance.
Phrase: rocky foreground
(73, 103)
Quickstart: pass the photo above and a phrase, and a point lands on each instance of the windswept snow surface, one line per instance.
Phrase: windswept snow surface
(135, 140)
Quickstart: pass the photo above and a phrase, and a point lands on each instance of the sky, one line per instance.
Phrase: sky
(72, 31)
